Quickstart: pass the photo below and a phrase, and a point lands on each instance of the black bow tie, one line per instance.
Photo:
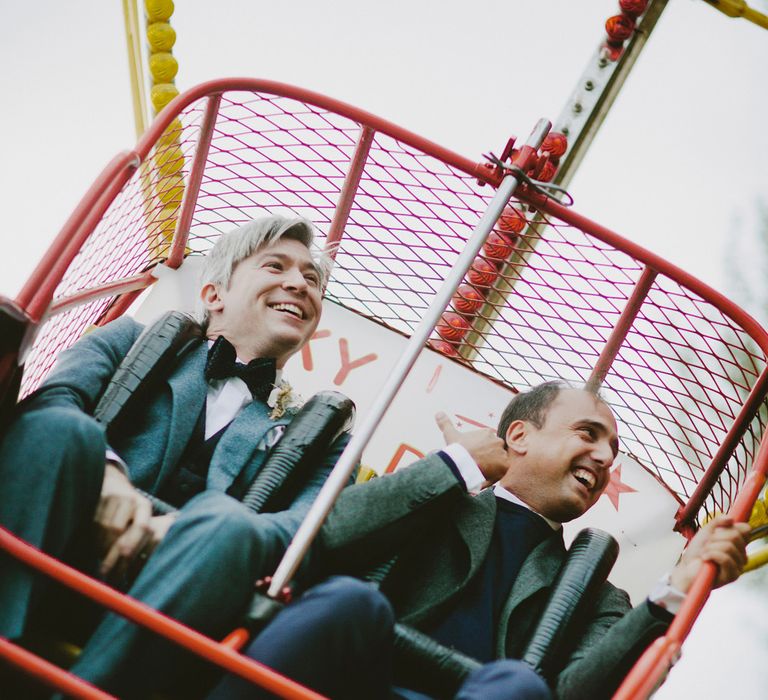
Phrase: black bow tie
(258, 374)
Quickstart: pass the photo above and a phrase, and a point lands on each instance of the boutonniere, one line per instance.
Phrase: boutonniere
(283, 401)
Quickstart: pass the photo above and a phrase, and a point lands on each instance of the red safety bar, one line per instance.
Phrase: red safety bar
(220, 654)
(555, 295)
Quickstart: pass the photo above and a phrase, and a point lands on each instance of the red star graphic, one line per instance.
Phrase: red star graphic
(616, 486)
(463, 419)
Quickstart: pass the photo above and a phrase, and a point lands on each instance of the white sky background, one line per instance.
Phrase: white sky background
(681, 156)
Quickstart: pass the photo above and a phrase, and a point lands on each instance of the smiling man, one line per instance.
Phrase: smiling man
(475, 565)
(197, 440)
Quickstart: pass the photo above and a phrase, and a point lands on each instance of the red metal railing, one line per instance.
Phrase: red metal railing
(222, 655)
(683, 367)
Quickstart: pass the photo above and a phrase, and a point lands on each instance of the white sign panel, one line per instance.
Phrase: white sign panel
(355, 356)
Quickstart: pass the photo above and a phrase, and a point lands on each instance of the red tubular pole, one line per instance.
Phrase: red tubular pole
(349, 190)
(237, 638)
(38, 291)
(142, 614)
(120, 306)
(648, 673)
(192, 190)
(50, 675)
(122, 286)
(620, 330)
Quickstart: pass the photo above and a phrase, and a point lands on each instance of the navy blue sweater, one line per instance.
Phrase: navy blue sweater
(470, 624)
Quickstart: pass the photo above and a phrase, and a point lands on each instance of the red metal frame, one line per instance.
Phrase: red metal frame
(222, 655)
(687, 513)
(35, 299)
(192, 189)
(50, 674)
(656, 263)
(212, 87)
(652, 668)
(349, 190)
(130, 284)
(611, 348)
(37, 293)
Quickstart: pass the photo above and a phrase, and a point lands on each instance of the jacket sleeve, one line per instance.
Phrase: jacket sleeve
(614, 638)
(371, 521)
(82, 372)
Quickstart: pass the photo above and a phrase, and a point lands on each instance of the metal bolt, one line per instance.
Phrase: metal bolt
(589, 85)
(577, 107)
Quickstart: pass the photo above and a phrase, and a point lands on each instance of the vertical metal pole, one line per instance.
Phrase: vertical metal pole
(130, 17)
(580, 120)
(344, 468)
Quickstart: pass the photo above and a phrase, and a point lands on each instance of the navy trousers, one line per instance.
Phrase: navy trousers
(337, 639)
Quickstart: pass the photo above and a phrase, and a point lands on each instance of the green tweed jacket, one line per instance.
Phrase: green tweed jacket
(441, 536)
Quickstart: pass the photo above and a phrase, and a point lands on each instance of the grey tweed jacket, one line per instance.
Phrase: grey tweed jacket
(442, 535)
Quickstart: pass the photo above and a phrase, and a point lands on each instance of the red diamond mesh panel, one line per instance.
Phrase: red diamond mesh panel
(680, 377)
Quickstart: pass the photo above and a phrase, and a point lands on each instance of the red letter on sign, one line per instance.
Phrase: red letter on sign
(346, 365)
(306, 353)
(400, 452)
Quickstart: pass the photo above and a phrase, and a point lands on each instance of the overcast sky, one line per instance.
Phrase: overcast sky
(681, 157)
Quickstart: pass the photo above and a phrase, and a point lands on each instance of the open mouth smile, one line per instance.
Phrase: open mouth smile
(585, 477)
(291, 309)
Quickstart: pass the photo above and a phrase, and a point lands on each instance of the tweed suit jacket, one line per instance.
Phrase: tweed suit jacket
(152, 442)
(441, 536)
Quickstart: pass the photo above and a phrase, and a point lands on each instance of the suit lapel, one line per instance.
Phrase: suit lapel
(238, 445)
(188, 391)
(538, 571)
(475, 525)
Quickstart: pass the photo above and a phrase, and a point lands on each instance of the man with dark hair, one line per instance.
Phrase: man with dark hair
(197, 440)
(474, 571)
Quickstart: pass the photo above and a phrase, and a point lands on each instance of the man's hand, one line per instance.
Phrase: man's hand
(158, 528)
(484, 446)
(122, 522)
(720, 541)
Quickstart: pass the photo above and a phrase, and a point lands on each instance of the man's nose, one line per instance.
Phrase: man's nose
(603, 453)
(294, 279)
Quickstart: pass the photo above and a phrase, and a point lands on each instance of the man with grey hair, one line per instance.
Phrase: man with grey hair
(197, 440)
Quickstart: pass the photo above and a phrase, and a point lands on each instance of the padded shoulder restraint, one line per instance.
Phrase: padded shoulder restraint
(590, 559)
(150, 356)
(307, 438)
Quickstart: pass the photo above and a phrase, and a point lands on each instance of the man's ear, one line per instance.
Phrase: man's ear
(209, 294)
(517, 437)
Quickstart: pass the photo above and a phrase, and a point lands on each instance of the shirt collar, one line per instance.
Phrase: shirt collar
(500, 492)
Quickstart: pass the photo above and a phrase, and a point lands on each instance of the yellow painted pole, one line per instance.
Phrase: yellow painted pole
(739, 8)
(130, 17)
(756, 560)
